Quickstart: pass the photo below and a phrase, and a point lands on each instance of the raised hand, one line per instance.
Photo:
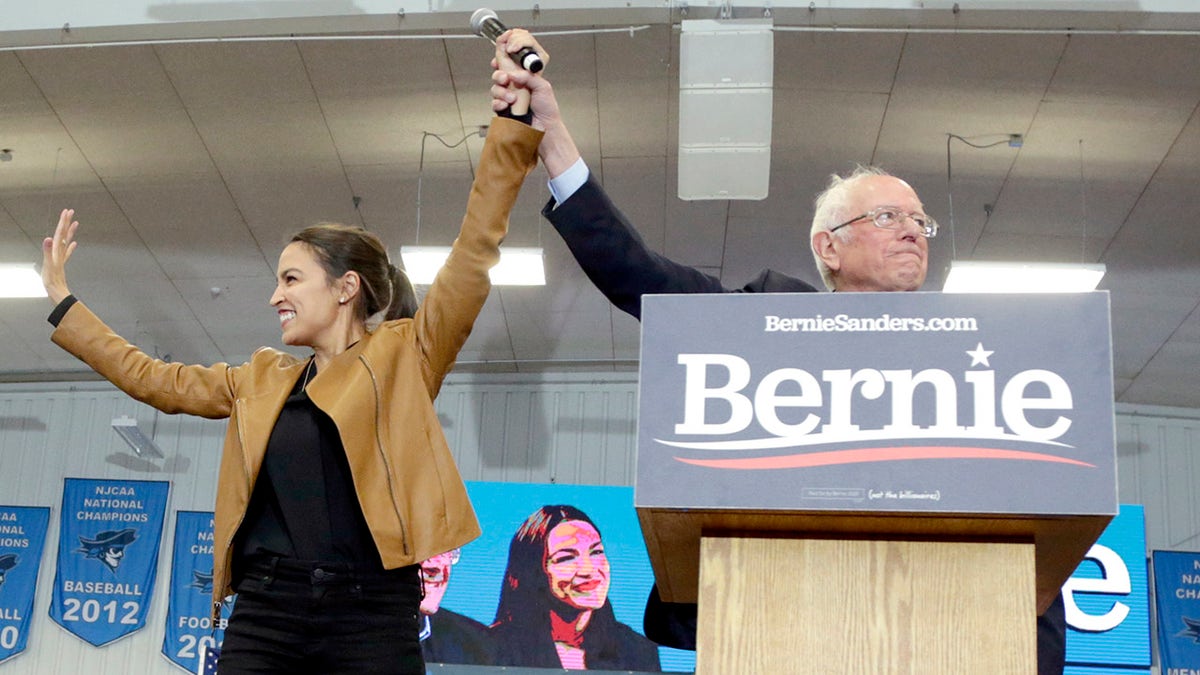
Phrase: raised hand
(56, 251)
(513, 86)
(510, 83)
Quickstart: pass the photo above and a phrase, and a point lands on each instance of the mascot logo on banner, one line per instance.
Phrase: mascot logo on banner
(107, 556)
(108, 547)
(22, 538)
(7, 562)
(190, 630)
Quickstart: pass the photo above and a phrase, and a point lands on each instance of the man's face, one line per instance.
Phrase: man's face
(435, 576)
(872, 258)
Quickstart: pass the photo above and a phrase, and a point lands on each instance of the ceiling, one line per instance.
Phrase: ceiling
(190, 164)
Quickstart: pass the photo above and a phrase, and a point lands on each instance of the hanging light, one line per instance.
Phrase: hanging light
(969, 276)
(21, 280)
(517, 266)
(141, 444)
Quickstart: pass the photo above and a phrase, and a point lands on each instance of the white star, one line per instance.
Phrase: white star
(979, 357)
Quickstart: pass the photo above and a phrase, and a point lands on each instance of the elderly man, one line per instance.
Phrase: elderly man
(869, 233)
(446, 636)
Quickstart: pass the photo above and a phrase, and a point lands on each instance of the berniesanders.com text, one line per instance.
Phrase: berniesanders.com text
(844, 323)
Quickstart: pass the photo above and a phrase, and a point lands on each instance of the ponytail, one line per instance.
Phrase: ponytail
(403, 304)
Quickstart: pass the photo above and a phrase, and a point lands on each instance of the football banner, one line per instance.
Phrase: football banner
(189, 613)
(107, 556)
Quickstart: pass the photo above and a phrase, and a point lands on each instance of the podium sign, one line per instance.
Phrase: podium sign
(884, 415)
(925, 402)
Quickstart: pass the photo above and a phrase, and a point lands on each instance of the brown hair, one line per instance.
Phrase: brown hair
(344, 248)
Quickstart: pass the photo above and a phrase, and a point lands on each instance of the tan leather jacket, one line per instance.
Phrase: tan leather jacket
(379, 392)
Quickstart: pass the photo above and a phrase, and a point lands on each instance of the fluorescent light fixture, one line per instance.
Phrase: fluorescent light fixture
(517, 266)
(21, 280)
(1016, 277)
(127, 428)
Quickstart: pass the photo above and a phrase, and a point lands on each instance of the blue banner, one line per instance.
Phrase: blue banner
(189, 616)
(1177, 588)
(22, 539)
(1107, 599)
(107, 556)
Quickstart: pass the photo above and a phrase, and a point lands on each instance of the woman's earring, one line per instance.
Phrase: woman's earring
(342, 300)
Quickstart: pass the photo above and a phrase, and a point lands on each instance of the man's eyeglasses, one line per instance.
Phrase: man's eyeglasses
(890, 218)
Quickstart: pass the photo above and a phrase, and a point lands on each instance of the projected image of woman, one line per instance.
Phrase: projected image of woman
(554, 610)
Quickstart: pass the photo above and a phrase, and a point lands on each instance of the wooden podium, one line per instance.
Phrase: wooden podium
(807, 559)
(815, 592)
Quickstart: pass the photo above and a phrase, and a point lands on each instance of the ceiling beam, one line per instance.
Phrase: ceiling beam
(67, 22)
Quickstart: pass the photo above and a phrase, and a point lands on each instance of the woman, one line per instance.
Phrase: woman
(554, 610)
(336, 480)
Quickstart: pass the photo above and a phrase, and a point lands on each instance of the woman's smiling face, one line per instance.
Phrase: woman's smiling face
(576, 566)
(304, 298)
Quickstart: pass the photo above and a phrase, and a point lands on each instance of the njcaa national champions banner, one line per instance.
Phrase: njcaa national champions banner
(22, 539)
(1177, 590)
(107, 556)
(189, 614)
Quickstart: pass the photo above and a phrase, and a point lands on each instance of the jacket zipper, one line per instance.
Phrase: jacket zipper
(216, 611)
(383, 455)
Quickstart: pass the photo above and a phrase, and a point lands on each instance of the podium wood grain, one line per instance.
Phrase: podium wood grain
(782, 605)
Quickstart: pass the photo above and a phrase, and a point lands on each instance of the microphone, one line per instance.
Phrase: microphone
(486, 24)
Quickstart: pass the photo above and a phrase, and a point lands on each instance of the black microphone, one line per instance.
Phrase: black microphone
(486, 24)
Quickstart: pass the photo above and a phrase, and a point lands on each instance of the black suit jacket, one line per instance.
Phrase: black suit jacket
(455, 638)
(623, 268)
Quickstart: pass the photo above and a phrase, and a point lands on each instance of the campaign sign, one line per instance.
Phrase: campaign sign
(1177, 590)
(189, 612)
(925, 402)
(107, 556)
(22, 538)
(1107, 599)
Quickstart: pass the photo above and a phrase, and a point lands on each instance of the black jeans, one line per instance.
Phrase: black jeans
(323, 618)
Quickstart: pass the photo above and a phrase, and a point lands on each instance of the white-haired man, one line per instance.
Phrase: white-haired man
(869, 233)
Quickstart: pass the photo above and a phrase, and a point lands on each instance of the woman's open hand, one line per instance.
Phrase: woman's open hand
(56, 251)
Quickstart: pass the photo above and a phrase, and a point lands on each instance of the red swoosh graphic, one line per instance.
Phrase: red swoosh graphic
(861, 455)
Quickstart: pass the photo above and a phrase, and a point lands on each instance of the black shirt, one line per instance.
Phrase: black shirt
(304, 505)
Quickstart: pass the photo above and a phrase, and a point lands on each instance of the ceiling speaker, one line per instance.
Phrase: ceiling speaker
(726, 75)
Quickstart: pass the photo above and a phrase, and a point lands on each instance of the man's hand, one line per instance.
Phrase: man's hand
(509, 90)
(56, 250)
(510, 82)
